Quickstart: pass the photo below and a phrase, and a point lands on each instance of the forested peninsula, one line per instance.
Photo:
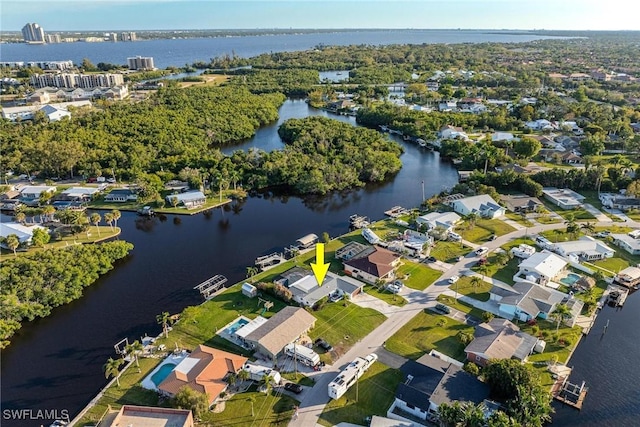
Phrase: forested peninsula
(33, 284)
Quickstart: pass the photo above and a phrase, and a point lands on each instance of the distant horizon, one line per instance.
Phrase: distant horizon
(189, 15)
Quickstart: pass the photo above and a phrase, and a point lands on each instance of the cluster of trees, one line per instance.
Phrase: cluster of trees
(323, 155)
(33, 284)
(292, 82)
(525, 402)
(278, 291)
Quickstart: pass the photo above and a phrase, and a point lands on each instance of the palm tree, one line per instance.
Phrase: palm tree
(163, 319)
(561, 312)
(134, 349)
(95, 219)
(243, 375)
(21, 217)
(251, 271)
(588, 227)
(108, 217)
(471, 219)
(112, 369)
(475, 282)
(12, 242)
(267, 379)
(48, 211)
(116, 215)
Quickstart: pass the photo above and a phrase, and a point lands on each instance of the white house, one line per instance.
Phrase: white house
(502, 136)
(627, 242)
(586, 248)
(445, 220)
(79, 193)
(190, 199)
(540, 124)
(564, 198)
(33, 192)
(541, 268)
(451, 132)
(55, 113)
(482, 204)
(306, 291)
(22, 232)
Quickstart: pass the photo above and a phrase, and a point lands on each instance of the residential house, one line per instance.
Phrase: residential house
(571, 158)
(540, 268)
(53, 111)
(30, 194)
(627, 242)
(451, 132)
(80, 194)
(547, 141)
(372, 264)
(283, 328)
(204, 371)
(307, 292)
(448, 106)
(482, 204)
(147, 416)
(121, 195)
(564, 198)
(628, 277)
(502, 136)
(429, 383)
(521, 203)
(22, 232)
(54, 114)
(189, 199)
(540, 125)
(499, 339)
(443, 220)
(586, 248)
(618, 201)
(525, 301)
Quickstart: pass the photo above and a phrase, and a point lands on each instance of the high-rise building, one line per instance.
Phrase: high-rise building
(52, 38)
(141, 63)
(128, 36)
(33, 33)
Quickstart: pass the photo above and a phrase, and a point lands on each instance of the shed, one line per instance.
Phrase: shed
(540, 346)
(307, 241)
(249, 290)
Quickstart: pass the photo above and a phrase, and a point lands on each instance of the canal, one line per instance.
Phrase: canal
(56, 363)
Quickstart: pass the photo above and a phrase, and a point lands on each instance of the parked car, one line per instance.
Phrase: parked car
(394, 289)
(293, 387)
(398, 283)
(482, 250)
(443, 308)
(482, 261)
(453, 279)
(323, 344)
(603, 234)
(454, 236)
(431, 259)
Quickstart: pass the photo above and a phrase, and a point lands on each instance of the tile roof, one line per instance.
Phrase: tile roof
(377, 262)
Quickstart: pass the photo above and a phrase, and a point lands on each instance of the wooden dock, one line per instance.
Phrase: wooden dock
(209, 287)
(617, 295)
(396, 211)
(358, 221)
(266, 261)
(571, 394)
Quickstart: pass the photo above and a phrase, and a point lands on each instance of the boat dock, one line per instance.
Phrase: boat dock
(209, 287)
(266, 261)
(396, 211)
(571, 394)
(357, 221)
(617, 295)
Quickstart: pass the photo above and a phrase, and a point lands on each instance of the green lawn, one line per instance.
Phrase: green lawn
(423, 334)
(460, 306)
(343, 324)
(273, 409)
(372, 395)
(464, 286)
(614, 264)
(385, 295)
(522, 220)
(449, 251)
(505, 273)
(548, 219)
(129, 392)
(483, 230)
(578, 214)
(387, 229)
(416, 275)
(517, 242)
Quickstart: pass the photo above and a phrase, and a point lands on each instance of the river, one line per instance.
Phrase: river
(56, 363)
(178, 52)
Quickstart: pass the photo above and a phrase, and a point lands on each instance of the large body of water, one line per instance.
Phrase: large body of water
(56, 363)
(179, 52)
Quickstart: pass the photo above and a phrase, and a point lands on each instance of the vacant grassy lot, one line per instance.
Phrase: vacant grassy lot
(483, 230)
(461, 306)
(578, 214)
(385, 295)
(375, 393)
(522, 220)
(449, 251)
(343, 324)
(465, 286)
(426, 332)
(417, 276)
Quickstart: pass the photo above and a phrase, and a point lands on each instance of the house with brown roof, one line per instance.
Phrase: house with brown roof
(281, 329)
(499, 339)
(373, 264)
(147, 416)
(204, 371)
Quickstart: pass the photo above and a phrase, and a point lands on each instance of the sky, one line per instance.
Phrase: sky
(98, 15)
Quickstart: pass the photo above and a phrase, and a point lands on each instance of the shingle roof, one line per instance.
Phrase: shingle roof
(501, 339)
(283, 328)
(377, 263)
(458, 385)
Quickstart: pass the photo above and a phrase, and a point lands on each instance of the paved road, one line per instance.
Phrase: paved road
(314, 400)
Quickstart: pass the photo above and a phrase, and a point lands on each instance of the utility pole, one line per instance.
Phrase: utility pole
(423, 198)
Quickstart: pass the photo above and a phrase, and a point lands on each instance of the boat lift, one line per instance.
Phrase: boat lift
(209, 287)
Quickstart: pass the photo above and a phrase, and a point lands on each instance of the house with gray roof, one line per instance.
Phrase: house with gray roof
(189, 199)
(499, 339)
(281, 329)
(307, 292)
(563, 197)
(525, 300)
(482, 205)
(444, 220)
(430, 382)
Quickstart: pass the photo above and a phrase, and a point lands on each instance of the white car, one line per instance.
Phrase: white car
(453, 279)
(482, 250)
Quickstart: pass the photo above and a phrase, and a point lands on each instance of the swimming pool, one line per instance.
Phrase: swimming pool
(162, 373)
(237, 325)
(570, 279)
